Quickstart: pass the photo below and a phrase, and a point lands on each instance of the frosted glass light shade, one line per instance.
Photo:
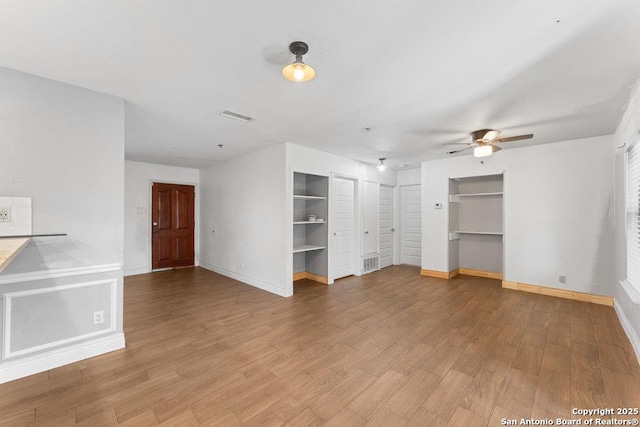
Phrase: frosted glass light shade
(298, 72)
(485, 150)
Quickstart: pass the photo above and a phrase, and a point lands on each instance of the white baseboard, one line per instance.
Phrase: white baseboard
(628, 328)
(248, 280)
(55, 358)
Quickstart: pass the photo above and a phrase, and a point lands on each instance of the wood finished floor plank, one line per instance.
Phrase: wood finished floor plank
(346, 417)
(21, 418)
(553, 392)
(383, 362)
(559, 334)
(406, 401)
(464, 417)
(146, 418)
(620, 388)
(483, 393)
(556, 358)
(613, 357)
(422, 418)
(587, 389)
(288, 406)
(535, 335)
(331, 402)
(184, 419)
(520, 393)
(385, 418)
(374, 396)
(413, 360)
(107, 419)
(528, 359)
(306, 417)
(446, 397)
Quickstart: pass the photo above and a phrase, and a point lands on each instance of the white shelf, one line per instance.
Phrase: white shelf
(455, 198)
(455, 235)
(300, 197)
(307, 248)
(308, 222)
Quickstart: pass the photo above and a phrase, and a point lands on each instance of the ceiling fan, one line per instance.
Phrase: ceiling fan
(484, 141)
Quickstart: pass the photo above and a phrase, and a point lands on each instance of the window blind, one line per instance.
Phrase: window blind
(633, 216)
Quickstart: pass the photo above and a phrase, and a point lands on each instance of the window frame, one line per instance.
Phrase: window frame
(632, 220)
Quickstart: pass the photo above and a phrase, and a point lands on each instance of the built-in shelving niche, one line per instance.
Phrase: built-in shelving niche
(310, 237)
(476, 226)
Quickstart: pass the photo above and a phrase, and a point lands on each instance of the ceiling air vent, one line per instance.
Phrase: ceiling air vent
(237, 116)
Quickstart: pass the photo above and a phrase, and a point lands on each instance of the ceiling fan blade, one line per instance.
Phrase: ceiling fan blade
(491, 135)
(484, 135)
(515, 138)
(459, 151)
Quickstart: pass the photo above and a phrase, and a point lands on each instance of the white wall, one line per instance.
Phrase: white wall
(243, 219)
(627, 299)
(558, 212)
(63, 146)
(137, 237)
(409, 176)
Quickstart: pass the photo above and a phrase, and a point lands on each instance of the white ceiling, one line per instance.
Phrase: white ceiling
(421, 74)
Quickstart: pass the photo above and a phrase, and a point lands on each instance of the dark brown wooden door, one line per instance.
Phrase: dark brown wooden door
(172, 225)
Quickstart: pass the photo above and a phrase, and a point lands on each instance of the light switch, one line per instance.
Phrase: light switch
(437, 205)
(142, 210)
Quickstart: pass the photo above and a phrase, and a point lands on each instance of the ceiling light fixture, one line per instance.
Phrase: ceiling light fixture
(382, 166)
(298, 71)
(485, 149)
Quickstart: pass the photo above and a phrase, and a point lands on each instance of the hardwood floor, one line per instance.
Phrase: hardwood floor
(391, 348)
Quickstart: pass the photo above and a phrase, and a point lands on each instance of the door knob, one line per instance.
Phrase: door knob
(155, 223)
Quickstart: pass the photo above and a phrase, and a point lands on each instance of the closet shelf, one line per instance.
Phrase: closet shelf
(455, 198)
(307, 248)
(308, 222)
(300, 197)
(455, 235)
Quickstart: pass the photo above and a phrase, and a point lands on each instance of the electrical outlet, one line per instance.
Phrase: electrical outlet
(98, 317)
(5, 214)
(562, 278)
(242, 267)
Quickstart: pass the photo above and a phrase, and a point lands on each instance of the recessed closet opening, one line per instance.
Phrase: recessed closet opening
(476, 226)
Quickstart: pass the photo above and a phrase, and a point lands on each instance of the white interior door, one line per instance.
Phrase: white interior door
(386, 226)
(343, 221)
(410, 225)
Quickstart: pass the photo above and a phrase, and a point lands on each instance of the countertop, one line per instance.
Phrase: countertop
(9, 249)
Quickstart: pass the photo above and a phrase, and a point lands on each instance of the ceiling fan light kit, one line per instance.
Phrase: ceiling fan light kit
(485, 149)
(298, 71)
